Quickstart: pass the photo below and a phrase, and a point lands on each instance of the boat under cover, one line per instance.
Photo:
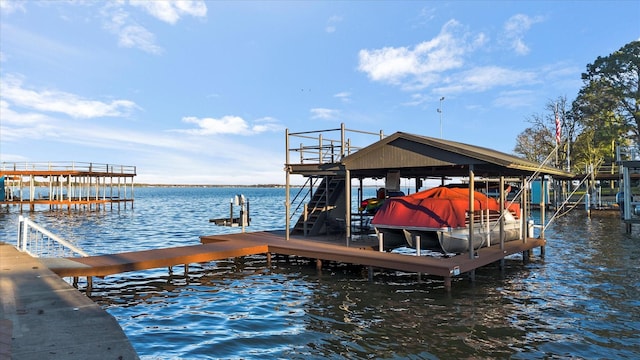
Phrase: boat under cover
(440, 217)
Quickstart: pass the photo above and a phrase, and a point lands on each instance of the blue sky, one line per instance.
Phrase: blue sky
(202, 92)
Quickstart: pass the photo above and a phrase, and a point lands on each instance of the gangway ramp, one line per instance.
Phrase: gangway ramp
(103, 265)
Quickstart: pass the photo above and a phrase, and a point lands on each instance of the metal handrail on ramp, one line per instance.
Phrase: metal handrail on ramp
(40, 242)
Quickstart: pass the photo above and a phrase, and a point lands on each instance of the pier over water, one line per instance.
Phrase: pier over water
(66, 184)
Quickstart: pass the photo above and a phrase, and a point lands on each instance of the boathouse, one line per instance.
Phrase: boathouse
(331, 164)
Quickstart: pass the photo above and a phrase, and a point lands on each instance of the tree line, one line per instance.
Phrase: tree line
(602, 119)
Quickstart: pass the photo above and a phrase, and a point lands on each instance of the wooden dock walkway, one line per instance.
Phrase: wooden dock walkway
(42, 317)
(219, 247)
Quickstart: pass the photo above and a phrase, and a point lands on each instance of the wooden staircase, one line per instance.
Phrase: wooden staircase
(328, 199)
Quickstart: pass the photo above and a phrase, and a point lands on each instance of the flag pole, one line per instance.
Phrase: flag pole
(557, 132)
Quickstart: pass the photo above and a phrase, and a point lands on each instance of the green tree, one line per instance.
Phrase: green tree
(611, 92)
(604, 114)
(603, 127)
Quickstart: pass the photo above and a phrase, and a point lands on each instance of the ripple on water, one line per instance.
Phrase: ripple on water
(581, 301)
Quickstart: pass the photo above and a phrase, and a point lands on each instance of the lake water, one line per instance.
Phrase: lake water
(582, 301)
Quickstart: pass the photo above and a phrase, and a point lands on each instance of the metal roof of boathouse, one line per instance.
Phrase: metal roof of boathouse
(422, 156)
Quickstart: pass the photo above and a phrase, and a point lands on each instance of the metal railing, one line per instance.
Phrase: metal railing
(83, 167)
(317, 147)
(40, 242)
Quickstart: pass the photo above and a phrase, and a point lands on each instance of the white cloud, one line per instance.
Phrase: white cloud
(344, 96)
(61, 102)
(228, 125)
(324, 114)
(150, 151)
(212, 126)
(427, 14)
(171, 11)
(421, 66)
(266, 124)
(130, 34)
(136, 36)
(331, 23)
(17, 126)
(516, 27)
(483, 78)
(9, 7)
(417, 99)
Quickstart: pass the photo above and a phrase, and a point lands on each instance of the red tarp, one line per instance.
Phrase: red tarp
(434, 208)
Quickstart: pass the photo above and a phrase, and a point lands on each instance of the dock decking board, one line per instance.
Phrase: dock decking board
(242, 244)
(445, 267)
(103, 265)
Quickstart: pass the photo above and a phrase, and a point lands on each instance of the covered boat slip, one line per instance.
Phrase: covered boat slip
(440, 218)
(330, 155)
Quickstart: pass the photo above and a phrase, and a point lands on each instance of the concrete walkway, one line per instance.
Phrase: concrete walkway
(43, 317)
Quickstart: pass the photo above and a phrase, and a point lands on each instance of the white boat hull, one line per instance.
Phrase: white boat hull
(450, 240)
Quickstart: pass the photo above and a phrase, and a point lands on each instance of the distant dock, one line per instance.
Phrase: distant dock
(66, 184)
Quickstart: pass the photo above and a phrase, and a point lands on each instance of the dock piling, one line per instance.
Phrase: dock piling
(447, 283)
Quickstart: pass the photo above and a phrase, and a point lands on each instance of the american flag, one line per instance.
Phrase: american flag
(557, 128)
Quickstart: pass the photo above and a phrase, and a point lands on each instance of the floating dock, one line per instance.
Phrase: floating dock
(66, 184)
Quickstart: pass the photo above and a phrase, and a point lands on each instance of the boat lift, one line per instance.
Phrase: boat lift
(243, 219)
(629, 208)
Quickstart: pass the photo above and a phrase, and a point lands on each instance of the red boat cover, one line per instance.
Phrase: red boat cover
(434, 208)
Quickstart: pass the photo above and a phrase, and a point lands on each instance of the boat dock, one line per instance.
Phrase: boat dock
(66, 184)
(218, 247)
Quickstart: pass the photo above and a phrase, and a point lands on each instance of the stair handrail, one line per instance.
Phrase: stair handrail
(32, 238)
(303, 196)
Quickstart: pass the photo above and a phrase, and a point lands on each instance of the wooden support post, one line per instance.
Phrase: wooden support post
(170, 270)
(471, 212)
(89, 285)
(447, 283)
(542, 251)
(75, 282)
(186, 269)
(319, 265)
(269, 260)
(370, 273)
